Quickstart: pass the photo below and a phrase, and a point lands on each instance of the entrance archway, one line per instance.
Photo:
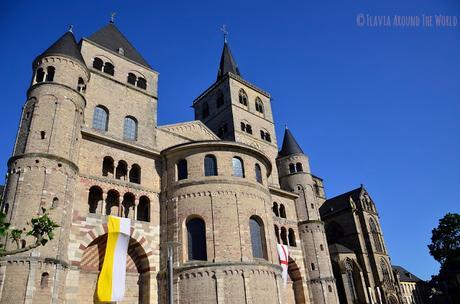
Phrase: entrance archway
(137, 272)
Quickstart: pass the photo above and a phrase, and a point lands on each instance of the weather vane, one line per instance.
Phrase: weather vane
(112, 17)
(223, 29)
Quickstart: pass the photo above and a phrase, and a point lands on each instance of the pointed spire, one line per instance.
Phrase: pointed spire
(290, 145)
(227, 63)
(66, 45)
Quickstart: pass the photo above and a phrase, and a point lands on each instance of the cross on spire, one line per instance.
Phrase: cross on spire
(112, 17)
(70, 28)
(223, 29)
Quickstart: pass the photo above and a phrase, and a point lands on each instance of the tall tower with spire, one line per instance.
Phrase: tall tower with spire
(237, 110)
(44, 167)
(295, 176)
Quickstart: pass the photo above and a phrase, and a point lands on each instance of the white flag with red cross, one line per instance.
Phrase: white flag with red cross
(284, 260)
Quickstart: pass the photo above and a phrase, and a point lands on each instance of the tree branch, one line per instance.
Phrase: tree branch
(20, 250)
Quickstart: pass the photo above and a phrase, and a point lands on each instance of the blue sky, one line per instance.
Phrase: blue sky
(373, 105)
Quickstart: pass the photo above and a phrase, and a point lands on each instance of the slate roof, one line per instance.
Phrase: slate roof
(290, 145)
(112, 39)
(405, 275)
(227, 63)
(341, 201)
(66, 45)
(339, 248)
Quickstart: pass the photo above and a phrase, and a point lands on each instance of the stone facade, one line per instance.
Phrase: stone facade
(88, 146)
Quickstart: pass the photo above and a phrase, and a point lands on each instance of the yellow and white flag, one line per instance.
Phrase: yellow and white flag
(111, 282)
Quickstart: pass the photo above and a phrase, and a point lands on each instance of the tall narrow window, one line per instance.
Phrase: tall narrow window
(220, 99)
(141, 83)
(277, 234)
(375, 236)
(205, 110)
(132, 78)
(210, 165)
(257, 237)
(94, 199)
(291, 168)
(351, 280)
(385, 272)
(98, 63)
(243, 98)
(107, 166)
(182, 172)
(275, 209)
(143, 209)
(130, 128)
(109, 68)
(238, 167)
(196, 237)
(50, 73)
(128, 204)
(81, 86)
(298, 167)
(122, 170)
(259, 105)
(40, 75)
(282, 211)
(100, 118)
(258, 173)
(44, 280)
(283, 236)
(135, 174)
(291, 237)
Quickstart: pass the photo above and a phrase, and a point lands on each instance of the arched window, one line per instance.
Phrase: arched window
(256, 229)
(94, 198)
(100, 118)
(98, 63)
(298, 167)
(112, 203)
(143, 209)
(196, 238)
(291, 237)
(205, 112)
(44, 280)
(141, 83)
(275, 209)
(55, 203)
(385, 271)
(40, 75)
(316, 186)
(107, 166)
(238, 167)
(258, 173)
(50, 73)
(132, 78)
(375, 236)
(122, 170)
(128, 204)
(277, 234)
(283, 236)
(243, 97)
(109, 68)
(81, 86)
(313, 266)
(259, 105)
(210, 165)
(182, 172)
(291, 168)
(351, 280)
(135, 174)
(282, 211)
(220, 99)
(130, 128)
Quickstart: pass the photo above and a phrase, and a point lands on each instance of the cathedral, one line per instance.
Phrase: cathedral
(218, 190)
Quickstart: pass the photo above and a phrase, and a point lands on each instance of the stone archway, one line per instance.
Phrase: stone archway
(294, 291)
(137, 272)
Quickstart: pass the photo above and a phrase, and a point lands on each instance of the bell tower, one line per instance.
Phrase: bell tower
(43, 169)
(295, 175)
(237, 110)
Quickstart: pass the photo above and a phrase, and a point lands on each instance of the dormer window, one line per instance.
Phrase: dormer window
(121, 51)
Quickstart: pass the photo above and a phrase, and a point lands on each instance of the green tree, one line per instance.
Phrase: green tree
(445, 240)
(41, 229)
